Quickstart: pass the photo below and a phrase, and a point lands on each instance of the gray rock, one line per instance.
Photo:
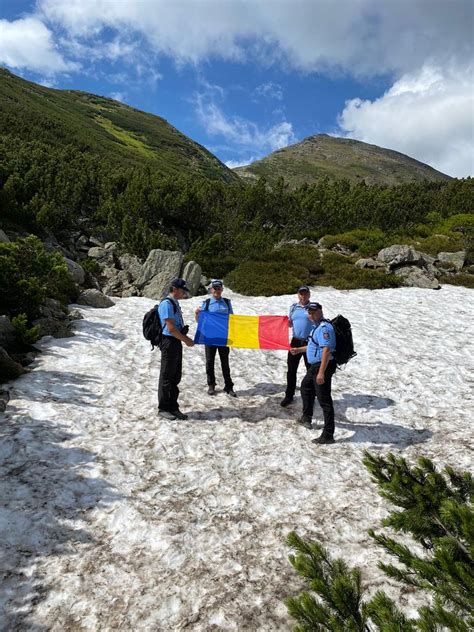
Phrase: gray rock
(413, 276)
(192, 273)
(55, 308)
(426, 259)
(322, 243)
(451, 260)
(52, 327)
(469, 270)
(158, 270)
(397, 255)
(111, 245)
(4, 399)
(373, 264)
(94, 298)
(132, 265)
(74, 314)
(9, 369)
(102, 256)
(343, 250)
(96, 242)
(7, 332)
(4, 239)
(76, 271)
(117, 281)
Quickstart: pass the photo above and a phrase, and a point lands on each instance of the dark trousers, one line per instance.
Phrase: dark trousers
(170, 373)
(210, 361)
(293, 362)
(310, 390)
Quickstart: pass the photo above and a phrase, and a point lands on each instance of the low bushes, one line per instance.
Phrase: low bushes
(29, 274)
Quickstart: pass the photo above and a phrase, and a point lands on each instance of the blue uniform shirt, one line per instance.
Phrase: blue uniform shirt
(166, 310)
(218, 305)
(300, 322)
(321, 336)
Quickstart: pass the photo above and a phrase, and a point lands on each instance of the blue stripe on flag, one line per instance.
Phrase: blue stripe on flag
(212, 329)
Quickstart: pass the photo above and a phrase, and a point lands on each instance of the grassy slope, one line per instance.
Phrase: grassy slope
(92, 123)
(325, 156)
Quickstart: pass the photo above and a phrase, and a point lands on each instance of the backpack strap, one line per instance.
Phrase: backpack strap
(323, 320)
(292, 310)
(167, 298)
(208, 301)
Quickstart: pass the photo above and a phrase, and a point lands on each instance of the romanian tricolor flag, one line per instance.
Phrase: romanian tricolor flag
(249, 332)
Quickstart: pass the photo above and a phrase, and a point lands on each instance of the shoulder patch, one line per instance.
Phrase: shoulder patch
(326, 334)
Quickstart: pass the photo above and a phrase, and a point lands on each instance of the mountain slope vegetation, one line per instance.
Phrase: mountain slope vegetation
(324, 156)
(90, 123)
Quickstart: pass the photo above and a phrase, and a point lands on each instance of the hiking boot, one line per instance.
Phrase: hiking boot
(179, 415)
(211, 390)
(305, 421)
(285, 401)
(165, 414)
(231, 393)
(323, 439)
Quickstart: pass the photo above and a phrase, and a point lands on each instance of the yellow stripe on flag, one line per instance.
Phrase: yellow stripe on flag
(243, 332)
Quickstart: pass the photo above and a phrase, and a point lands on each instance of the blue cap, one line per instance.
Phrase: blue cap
(179, 284)
(303, 288)
(313, 306)
(217, 283)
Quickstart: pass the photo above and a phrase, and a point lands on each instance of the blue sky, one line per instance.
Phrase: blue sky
(247, 77)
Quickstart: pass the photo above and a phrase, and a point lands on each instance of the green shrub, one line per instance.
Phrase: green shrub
(437, 243)
(265, 278)
(368, 241)
(339, 272)
(463, 279)
(29, 274)
(91, 266)
(25, 335)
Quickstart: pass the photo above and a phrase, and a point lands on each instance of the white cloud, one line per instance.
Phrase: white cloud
(269, 90)
(428, 115)
(118, 96)
(239, 131)
(359, 36)
(232, 164)
(28, 43)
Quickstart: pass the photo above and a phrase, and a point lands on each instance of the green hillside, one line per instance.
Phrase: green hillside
(123, 135)
(324, 156)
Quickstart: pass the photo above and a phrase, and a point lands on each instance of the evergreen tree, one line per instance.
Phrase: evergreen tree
(435, 509)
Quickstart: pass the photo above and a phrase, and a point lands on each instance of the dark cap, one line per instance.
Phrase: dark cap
(179, 284)
(314, 306)
(303, 288)
(217, 283)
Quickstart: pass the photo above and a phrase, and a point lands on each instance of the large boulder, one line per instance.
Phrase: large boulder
(7, 333)
(413, 276)
(117, 281)
(192, 273)
(9, 369)
(158, 270)
(451, 261)
(132, 265)
(94, 298)
(103, 256)
(399, 255)
(52, 327)
(76, 272)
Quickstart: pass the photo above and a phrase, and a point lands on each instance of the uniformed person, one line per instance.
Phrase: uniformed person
(298, 320)
(174, 334)
(217, 304)
(317, 381)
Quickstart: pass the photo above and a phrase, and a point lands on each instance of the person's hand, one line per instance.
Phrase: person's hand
(294, 351)
(320, 379)
(197, 311)
(189, 342)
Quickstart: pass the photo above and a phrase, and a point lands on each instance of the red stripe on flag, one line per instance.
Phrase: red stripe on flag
(273, 332)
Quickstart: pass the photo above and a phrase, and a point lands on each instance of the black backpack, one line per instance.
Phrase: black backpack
(152, 329)
(344, 344)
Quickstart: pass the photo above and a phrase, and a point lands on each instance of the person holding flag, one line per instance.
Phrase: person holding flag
(217, 305)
